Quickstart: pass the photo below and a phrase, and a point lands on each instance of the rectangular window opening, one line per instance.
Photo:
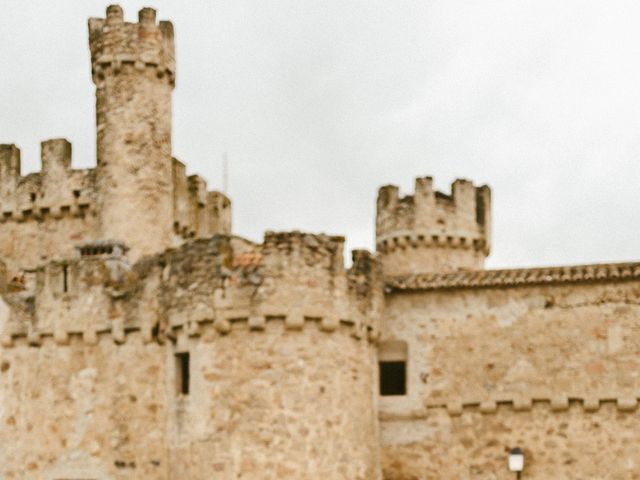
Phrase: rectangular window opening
(393, 378)
(182, 373)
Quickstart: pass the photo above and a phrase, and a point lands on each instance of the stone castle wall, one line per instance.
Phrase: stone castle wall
(44, 215)
(88, 409)
(550, 368)
(274, 333)
(570, 443)
(269, 399)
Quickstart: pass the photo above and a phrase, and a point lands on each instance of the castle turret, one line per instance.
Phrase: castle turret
(133, 68)
(431, 231)
(9, 176)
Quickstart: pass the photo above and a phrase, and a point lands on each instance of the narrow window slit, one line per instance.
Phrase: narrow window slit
(182, 373)
(65, 278)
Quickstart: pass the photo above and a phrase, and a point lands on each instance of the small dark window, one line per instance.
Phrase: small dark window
(65, 278)
(393, 378)
(182, 373)
(33, 197)
(76, 193)
(392, 362)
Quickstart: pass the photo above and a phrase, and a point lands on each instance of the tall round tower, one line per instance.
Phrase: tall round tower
(280, 342)
(133, 68)
(432, 232)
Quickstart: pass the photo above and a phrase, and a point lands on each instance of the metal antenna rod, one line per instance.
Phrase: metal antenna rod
(225, 173)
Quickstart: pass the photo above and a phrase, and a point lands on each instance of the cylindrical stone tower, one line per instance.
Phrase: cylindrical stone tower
(283, 379)
(133, 68)
(432, 232)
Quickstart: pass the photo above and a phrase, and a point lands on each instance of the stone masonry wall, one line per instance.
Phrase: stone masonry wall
(82, 410)
(552, 369)
(277, 403)
(571, 444)
(282, 364)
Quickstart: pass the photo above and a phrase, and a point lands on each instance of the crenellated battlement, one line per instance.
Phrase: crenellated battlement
(56, 191)
(57, 209)
(100, 293)
(45, 214)
(459, 218)
(624, 402)
(620, 402)
(24, 335)
(431, 231)
(197, 212)
(116, 45)
(310, 250)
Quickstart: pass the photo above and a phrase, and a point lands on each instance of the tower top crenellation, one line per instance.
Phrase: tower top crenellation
(115, 44)
(433, 231)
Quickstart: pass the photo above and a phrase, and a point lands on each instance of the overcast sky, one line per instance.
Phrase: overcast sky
(318, 103)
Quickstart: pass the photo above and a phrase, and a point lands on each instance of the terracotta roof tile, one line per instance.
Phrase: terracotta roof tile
(518, 276)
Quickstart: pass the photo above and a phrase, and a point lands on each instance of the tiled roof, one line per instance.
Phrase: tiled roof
(515, 277)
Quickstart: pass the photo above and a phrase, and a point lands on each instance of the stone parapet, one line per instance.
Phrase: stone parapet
(54, 192)
(552, 403)
(197, 212)
(221, 285)
(209, 328)
(624, 402)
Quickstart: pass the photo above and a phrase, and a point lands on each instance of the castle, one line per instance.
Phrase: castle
(140, 339)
